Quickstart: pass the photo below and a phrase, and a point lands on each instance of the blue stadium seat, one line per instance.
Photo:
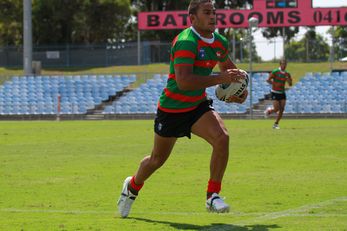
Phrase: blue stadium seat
(45, 89)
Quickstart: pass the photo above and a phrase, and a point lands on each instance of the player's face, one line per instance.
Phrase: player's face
(204, 21)
(283, 65)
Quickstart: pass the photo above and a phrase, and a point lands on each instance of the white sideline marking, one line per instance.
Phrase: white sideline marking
(297, 212)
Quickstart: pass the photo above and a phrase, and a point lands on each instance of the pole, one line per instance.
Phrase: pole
(250, 70)
(284, 41)
(58, 107)
(234, 45)
(332, 48)
(138, 47)
(252, 23)
(307, 55)
(27, 38)
(138, 39)
(241, 50)
(275, 49)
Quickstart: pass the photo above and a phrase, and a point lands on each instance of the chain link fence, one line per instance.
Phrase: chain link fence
(120, 54)
(103, 55)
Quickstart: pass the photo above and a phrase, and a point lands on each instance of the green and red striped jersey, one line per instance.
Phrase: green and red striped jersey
(189, 49)
(279, 80)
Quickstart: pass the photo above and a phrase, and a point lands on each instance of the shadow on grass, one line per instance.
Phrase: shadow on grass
(212, 227)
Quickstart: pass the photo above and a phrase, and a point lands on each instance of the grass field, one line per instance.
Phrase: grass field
(68, 175)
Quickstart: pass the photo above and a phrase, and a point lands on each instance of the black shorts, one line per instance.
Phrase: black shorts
(277, 96)
(179, 124)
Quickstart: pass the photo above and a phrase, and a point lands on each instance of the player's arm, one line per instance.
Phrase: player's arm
(228, 64)
(187, 80)
(290, 80)
(270, 78)
(238, 99)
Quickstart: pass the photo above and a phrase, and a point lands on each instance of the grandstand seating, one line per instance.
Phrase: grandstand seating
(144, 99)
(318, 93)
(28, 95)
(39, 95)
(315, 93)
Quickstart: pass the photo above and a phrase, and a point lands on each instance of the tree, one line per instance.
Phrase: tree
(53, 21)
(11, 21)
(79, 21)
(106, 19)
(65, 21)
(339, 35)
(311, 47)
(287, 33)
(272, 32)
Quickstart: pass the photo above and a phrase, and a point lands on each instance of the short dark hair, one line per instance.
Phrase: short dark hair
(283, 60)
(194, 5)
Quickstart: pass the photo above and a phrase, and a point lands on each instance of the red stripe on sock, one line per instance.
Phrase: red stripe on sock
(214, 186)
(134, 185)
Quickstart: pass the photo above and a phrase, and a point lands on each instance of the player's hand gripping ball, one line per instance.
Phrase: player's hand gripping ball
(225, 91)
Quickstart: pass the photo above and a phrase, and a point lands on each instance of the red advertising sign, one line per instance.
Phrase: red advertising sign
(271, 13)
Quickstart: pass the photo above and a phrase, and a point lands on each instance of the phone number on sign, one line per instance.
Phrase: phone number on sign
(329, 16)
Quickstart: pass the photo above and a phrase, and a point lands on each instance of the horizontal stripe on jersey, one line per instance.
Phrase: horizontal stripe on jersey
(176, 110)
(205, 63)
(184, 98)
(184, 54)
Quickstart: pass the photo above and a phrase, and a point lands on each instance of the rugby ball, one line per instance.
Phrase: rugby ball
(225, 91)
